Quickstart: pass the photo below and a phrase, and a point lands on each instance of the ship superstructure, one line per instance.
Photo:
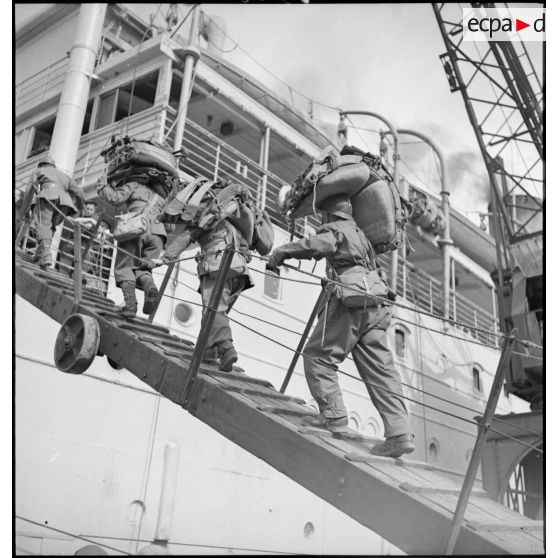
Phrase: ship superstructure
(98, 440)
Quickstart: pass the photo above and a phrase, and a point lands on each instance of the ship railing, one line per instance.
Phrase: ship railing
(89, 162)
(41, 86)
(98, 263)
(211, 157)
(425, 292)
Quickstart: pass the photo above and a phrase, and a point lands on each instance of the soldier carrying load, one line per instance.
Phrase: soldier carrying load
(217, 215)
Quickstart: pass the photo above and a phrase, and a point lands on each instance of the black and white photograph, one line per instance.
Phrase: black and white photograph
(279, 279)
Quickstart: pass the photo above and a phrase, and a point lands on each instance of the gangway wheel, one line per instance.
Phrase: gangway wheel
(76, 344)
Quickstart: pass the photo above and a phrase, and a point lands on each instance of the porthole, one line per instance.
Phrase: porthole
(354, 422)
(309, 529)
(442, 364)
(184, 313)
(433, 450)
(372, 428)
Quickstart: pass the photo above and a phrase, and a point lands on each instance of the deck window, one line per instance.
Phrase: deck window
(400, 343)
(272, 285)
(477, 385)
(433, 450)
(130, 99)
(43, 137)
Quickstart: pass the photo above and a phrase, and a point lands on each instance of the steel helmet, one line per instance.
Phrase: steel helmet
(339, 205)
(47, 161)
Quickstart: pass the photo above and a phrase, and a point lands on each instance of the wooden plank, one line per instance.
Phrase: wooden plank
(411, 525)
(421, 489)
(368, 491)
(502, 526)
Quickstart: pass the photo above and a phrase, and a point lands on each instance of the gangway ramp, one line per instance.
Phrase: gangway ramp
(408, 503)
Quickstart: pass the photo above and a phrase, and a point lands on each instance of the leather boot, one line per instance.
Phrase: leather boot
(130, 307)
(211, 357)
(228, 358)
(45, 255)
(339, 425)
(150, 292)
(394, 446)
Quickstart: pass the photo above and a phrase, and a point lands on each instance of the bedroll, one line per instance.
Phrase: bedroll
(377, 207)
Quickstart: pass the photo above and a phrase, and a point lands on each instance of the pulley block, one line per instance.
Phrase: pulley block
(77, 344)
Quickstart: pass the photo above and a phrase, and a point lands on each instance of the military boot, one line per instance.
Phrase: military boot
(228, 357)
(339, 425)
(150, 292)
(211, 357)
(43, 255)
(130, 307)
(394, 446)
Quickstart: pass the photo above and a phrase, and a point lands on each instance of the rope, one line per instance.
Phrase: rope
(183, 20)
(390, 302)
(118, 248)
(136, 65)
(273, 324)
(72, 535)
(368, 382)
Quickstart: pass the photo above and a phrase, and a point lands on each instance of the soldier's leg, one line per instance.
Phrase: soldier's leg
(124, 275)
(219, 342)
(43, 213)
(151, 246)
(337, 326)
(374, 362)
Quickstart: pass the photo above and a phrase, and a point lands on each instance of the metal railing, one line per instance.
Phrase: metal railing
(89, 163)
(41, 86)
(211, 157)
(97, 263)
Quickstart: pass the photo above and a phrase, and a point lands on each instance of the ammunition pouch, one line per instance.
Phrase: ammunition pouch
(358, 287)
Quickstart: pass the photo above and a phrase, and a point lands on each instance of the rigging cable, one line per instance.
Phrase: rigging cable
(273, 324)
(372, 384)
(71, 535)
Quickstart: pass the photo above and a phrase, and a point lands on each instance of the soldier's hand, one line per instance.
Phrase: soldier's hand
(152, 264)
(277, 258)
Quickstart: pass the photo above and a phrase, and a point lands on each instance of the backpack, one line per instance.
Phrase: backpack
(378, 209)
(264, 235)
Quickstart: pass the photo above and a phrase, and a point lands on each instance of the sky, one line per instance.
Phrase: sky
(377, 57)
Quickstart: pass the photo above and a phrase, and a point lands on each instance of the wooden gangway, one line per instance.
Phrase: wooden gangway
(409, 503)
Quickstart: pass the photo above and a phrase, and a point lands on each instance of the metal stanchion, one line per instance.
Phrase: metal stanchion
(162, 289)
(207, 323)
(91, 238)
(484, 424)
(303, 339)
(78, 269)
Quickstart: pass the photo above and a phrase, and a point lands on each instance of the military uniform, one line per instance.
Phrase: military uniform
(55, 189)
(341, 330)
(133, 197)
(220, 341)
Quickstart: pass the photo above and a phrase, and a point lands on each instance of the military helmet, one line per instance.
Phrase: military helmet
(47, 161)
(339, 205)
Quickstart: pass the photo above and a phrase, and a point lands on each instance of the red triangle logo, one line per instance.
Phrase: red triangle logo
(519, 25)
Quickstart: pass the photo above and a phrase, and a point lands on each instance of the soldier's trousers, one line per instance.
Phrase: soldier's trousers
(148, 246)
(220, 335)
(46, 220)
(362, 332)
